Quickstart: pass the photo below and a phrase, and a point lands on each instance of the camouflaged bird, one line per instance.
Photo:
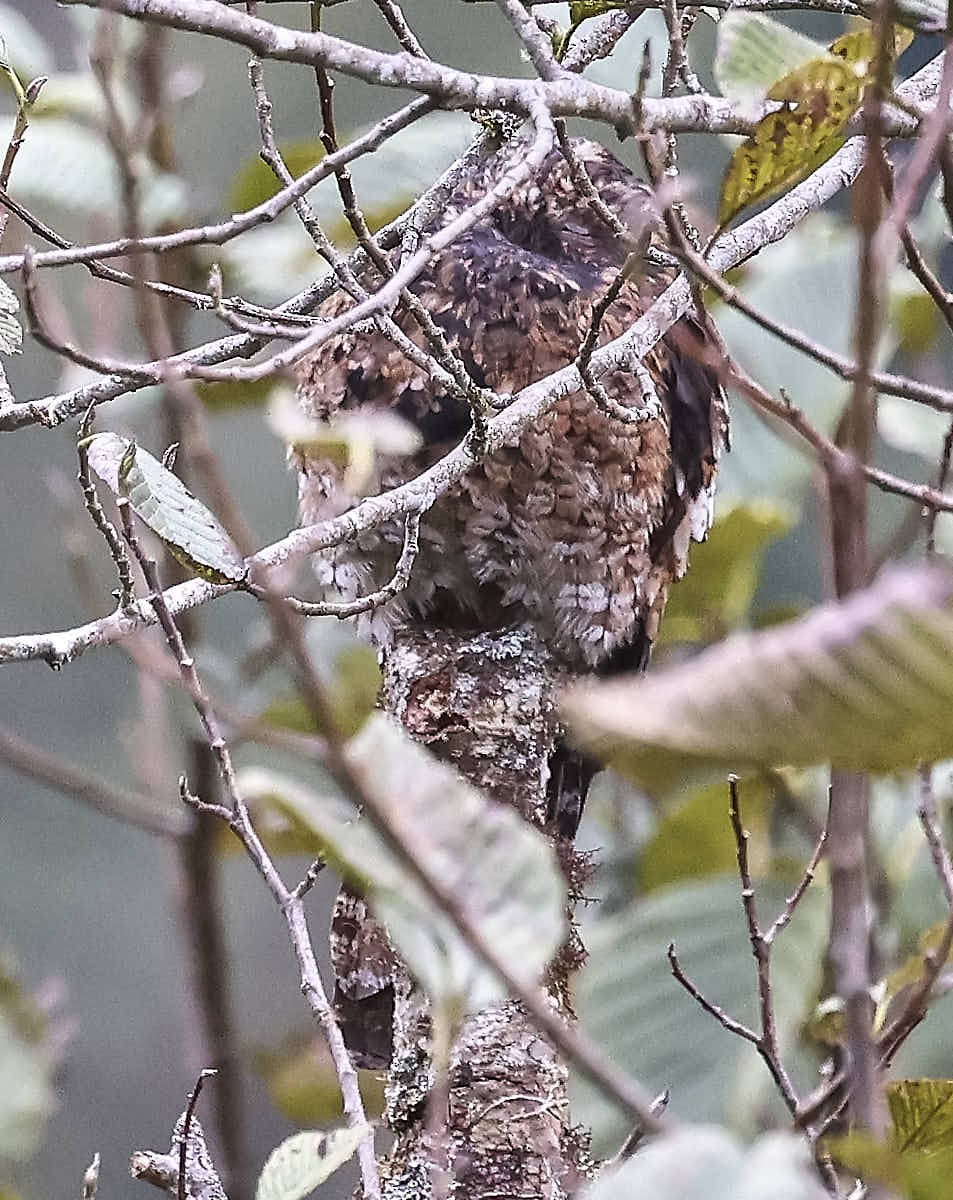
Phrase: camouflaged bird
(583, 524)
(579, 527)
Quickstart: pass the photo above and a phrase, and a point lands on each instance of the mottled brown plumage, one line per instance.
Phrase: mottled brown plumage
(583, 525)
(580, 528)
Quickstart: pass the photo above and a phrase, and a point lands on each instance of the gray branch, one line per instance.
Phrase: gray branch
(732, 248)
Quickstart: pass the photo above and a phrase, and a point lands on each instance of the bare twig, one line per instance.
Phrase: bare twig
(236, 814)
(131, 808)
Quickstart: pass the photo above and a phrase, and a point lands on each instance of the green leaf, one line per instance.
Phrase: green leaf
(25, 50)
(11, 332)
(518, 905)
(917, 324)
(76, 94)
(303, 1084)
(354, 688)
(916, 1174)
(716, 594)
(27, 1063)
(820, 97)
(705, 1163)
(227, 395)
(865, 685)
(909, 973)
(630, 1004)
(754, 51)
(289, 816)
(694, 839)
(305, 1160)
(581, 10)
(66, 164)
(789, 144)
(163, 502)
(256, 182)
(352, 440)
(922, 1113)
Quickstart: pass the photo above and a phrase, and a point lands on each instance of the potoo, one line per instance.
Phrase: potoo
(581, 526)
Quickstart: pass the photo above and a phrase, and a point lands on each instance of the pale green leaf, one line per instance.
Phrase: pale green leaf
(518, 905)
(705, 1163)
(256, 182)
(305, 1160)
(11, 332)
(352, 440)
(26, 51)
(64, 163)
(865, 685)
(717, 593)
(789, 144)
(693, 839)
(26, 1069)
(581, 10)
(754, 51)
(913, 428)
(303, 1085)
(629, 1003)
(76, 94)
(162, 501)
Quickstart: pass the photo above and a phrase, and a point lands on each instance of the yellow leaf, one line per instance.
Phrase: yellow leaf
(789, 144)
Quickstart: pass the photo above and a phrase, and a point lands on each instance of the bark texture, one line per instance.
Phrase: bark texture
(483, 702)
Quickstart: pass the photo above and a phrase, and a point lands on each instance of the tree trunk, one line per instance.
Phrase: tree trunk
(498, 1124)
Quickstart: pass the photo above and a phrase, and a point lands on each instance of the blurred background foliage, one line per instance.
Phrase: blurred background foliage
(94, 1051)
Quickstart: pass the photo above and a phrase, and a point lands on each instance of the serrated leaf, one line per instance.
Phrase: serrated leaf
(754, 52)
(305, 1160)
(866, 685)
(163, 503)
(629, 1003)
(705, 1163)
(518, 904)
(922, 1113)
(11, 332)
(915, 1174)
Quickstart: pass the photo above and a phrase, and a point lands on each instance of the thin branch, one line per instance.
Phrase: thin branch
(131, 808)
(240, 822)
(714, 1010)
(393, 14)
(570, 96)
(774, 223)
(767, 1043)
(615, 1083)
(394, 586)
(784, 916)
(934, 959)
